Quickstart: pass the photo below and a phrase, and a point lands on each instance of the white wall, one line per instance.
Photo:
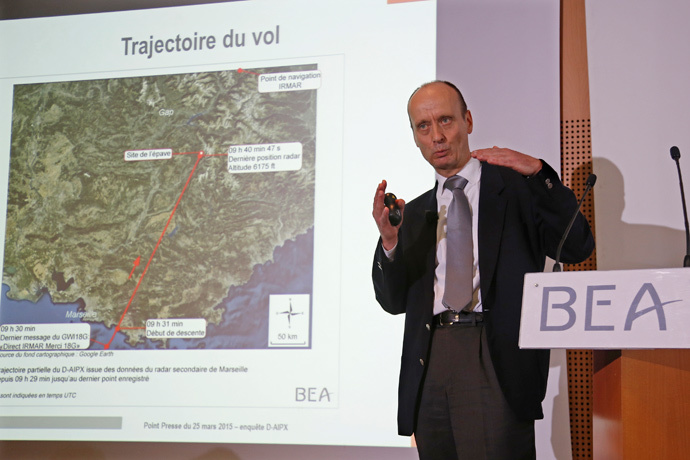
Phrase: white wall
(639, 69)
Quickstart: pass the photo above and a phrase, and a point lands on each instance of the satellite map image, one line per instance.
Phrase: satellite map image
(124, 208)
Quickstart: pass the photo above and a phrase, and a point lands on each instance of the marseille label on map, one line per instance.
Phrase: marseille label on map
(125, 213)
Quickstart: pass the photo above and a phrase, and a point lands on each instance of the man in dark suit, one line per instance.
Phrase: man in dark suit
(459, 400)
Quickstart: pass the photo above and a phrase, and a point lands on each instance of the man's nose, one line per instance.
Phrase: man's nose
(437, 133)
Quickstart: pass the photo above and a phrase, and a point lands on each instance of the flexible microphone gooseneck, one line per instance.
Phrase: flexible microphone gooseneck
(675, 155)
(591, 180)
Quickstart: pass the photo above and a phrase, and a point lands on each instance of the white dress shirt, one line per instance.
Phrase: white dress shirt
(472, 172)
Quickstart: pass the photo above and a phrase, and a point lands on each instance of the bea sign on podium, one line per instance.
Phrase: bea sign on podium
(606, 309)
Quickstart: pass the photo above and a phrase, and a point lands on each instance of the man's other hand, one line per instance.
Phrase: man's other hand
(524, 164)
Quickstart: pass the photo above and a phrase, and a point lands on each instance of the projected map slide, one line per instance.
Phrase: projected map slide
(142, 205)
(187, 229)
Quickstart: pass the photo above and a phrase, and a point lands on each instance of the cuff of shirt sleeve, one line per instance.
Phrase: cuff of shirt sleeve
(390, 254)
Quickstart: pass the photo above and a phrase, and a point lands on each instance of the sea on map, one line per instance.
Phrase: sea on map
(124, 212)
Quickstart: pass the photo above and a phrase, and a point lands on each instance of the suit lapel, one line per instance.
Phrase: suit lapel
(492, 208)
(420, 244)
(431, 222)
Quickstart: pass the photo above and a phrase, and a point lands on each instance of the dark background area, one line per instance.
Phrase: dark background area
(18, 9)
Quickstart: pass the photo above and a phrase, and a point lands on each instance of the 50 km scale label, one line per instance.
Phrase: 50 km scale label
(265, 157)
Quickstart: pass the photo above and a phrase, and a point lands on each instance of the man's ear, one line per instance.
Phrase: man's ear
(414, 136)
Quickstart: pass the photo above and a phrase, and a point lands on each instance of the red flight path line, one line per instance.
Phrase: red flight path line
(200, 155)
(205, 154)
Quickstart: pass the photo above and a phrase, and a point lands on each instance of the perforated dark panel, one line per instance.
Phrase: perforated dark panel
(576, 166)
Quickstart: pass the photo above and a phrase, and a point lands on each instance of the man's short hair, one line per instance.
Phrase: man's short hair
(463, 104)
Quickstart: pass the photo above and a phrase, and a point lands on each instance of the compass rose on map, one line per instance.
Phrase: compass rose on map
(290, 313)
(284, 330)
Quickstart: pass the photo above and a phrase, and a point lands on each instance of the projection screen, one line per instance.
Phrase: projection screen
(186, 206)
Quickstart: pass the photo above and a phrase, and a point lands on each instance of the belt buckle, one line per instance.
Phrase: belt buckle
(454, 318)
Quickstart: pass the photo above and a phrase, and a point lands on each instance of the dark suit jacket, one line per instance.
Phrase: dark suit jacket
(520, 221)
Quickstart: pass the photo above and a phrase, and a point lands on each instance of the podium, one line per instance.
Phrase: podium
(638, 323)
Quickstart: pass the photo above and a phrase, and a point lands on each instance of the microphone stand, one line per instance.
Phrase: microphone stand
(591, 180)
(675, 155)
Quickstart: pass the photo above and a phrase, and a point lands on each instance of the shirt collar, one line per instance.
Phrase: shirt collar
(471, 171)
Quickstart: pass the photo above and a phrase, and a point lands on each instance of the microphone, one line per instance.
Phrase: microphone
(675, 155)
(431, 217)
(591, 180)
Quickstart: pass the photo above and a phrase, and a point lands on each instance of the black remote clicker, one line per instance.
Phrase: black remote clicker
(394, 215)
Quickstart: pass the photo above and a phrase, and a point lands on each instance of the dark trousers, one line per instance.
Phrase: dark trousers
(463, 413)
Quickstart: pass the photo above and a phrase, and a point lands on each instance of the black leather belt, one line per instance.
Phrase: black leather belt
(450, 318)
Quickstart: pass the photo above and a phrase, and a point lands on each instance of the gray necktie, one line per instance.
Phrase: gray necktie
(459, 260)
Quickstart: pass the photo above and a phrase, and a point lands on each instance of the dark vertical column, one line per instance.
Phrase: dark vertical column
(576, 165)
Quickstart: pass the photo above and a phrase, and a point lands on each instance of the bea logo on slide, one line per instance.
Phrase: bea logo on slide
(312, 394)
